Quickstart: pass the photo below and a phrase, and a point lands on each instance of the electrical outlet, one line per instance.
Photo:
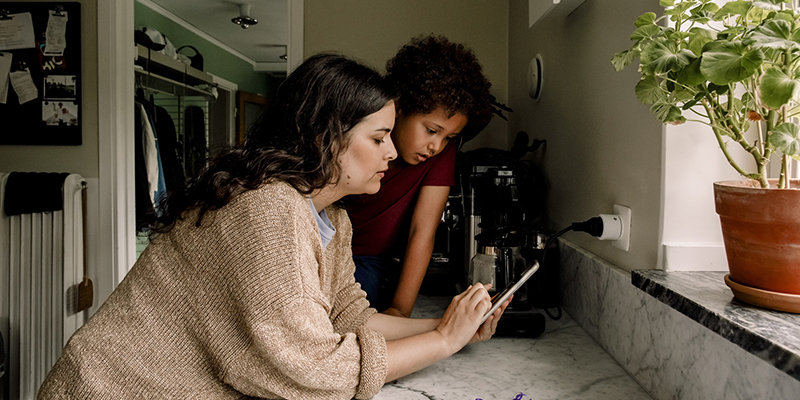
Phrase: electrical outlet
(624, 242)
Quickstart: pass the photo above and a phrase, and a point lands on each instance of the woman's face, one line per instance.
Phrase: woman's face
(368, 155)
(419, 137)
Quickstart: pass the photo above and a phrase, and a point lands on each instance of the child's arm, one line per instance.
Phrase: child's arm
(424, 222)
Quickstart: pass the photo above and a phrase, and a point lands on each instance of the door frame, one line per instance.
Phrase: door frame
(115, 77)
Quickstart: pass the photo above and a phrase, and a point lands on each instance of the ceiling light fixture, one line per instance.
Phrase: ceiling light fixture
(244, 19)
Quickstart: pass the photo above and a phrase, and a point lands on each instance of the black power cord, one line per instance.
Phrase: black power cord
(544, 255)
(593, 226)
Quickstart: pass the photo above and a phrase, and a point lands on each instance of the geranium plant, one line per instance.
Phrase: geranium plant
(734, 67)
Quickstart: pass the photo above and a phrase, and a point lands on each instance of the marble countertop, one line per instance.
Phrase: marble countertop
(703, 296)
(563, 363)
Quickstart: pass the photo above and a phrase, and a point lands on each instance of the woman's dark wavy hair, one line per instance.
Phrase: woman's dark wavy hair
(431, 72)
(297, 140)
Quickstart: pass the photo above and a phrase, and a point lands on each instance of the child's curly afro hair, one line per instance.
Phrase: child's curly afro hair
(431, 72)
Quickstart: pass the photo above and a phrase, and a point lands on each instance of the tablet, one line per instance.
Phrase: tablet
(510, 289)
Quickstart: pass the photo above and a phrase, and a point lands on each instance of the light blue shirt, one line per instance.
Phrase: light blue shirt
(326, 229)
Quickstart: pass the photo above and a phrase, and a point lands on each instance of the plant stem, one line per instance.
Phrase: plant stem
(724, 147)
(784, 172)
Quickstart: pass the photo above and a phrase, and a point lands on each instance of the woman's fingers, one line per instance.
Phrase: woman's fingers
(478, 292)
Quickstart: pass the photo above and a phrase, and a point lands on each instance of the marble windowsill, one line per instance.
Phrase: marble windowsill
(704, 297)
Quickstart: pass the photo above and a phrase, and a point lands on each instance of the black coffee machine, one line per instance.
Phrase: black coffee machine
(502, 201)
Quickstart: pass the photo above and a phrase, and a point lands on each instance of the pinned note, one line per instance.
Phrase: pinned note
(5, 68)
(56, 34)
(16, 32)
(23, 84)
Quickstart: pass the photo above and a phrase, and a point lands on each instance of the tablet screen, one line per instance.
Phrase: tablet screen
(510, 289)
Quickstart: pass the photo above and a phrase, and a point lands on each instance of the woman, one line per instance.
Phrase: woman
(247, 290)
(444, 99)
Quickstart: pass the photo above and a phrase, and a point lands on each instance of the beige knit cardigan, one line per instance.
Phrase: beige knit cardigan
(246, 305)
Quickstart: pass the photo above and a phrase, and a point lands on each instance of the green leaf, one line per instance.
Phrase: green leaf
(733, 8)
(719, 90)
(691, 75)
(708, 6)
(704, 12)
(737, 106)
(660, 56)
(682, 95)
(668, 113)
(777, 88)
(768, 4)
(680, 8)
(649, 91)
(774, 34)
(701, 17)
(725, 62)
(731, 33)
(648, 18)
(645, 32)
(785, 15)
(757, 15)
(677, 36)
(666, 3)
(699, 37)
(786, 138)
(748, 101)
(624, 58)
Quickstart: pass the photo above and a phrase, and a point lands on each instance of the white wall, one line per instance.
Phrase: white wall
(373, 30)
(603, 146)
(692, 238)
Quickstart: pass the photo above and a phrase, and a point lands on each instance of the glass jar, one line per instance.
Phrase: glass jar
(483, 267)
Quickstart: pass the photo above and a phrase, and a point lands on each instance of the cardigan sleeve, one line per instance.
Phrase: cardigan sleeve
(351, 309)
(293, 349)
(309, 359)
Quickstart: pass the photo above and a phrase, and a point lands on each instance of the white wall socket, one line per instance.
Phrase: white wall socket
(624, 242)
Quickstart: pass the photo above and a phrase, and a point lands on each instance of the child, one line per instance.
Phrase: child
(444, 99)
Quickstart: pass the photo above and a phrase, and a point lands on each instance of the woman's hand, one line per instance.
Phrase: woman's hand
(460, 322)
(489, 327)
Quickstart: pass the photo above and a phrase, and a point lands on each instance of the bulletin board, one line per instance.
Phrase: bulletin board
(40, 73)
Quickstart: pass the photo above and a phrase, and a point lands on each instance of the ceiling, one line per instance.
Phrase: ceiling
(263, 43)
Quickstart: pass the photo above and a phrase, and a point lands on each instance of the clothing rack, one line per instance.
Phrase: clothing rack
(164, 74)
(176, 107)
(175, 86)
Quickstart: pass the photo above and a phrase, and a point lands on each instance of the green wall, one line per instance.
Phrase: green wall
(215, 60)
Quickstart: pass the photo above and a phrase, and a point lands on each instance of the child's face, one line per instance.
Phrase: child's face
(369, 152)
(419, 137)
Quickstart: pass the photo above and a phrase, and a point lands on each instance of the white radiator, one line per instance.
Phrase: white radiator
(41, 262)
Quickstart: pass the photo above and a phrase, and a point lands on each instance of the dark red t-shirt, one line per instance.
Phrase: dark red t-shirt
(381, 221)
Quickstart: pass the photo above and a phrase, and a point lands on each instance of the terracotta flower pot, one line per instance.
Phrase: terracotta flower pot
(761, 230)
